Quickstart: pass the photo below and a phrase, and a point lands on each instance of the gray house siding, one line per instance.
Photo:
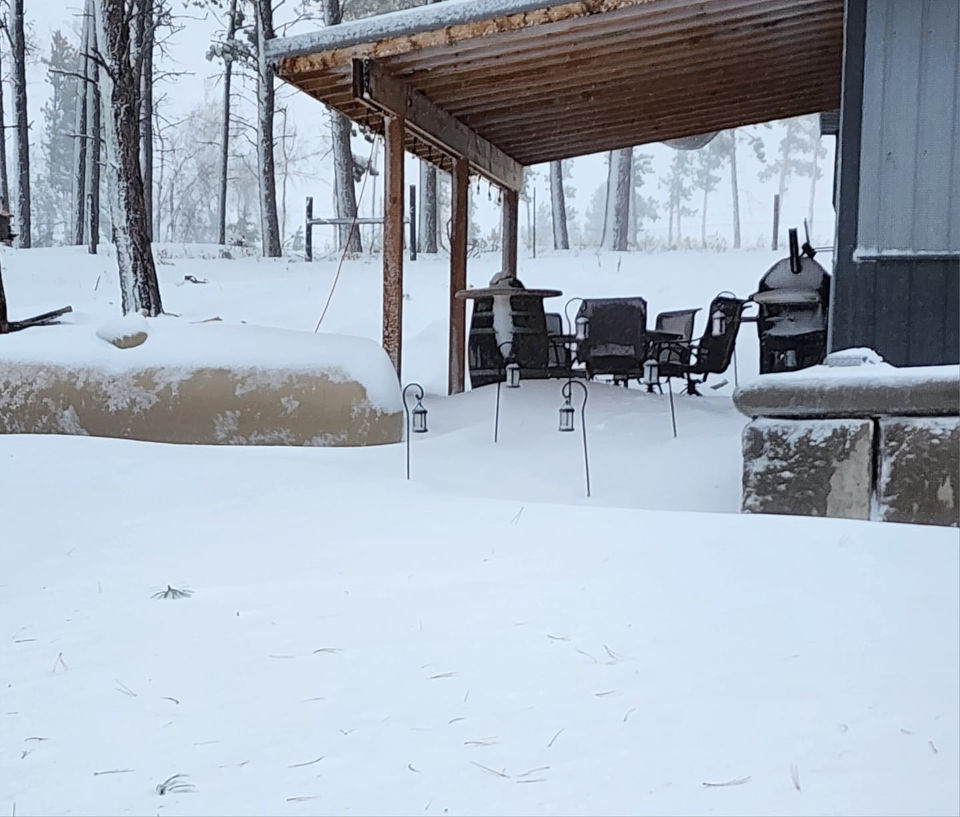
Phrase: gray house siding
(898, 232)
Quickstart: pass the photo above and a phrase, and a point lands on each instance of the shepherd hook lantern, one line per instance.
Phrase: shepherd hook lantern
(567, 420)
(651, 372)
(419, 415)
(718, 323)
(510, 373)
(580, 328)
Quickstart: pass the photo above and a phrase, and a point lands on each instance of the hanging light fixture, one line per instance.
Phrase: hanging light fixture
(567, 419)
(416, 419)
(566, 416)
(513, 375)
(651, 372)
(583, 327)
(718, 322)
(419, 419)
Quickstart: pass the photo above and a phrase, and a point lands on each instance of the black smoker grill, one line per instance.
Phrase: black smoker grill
(794, 301)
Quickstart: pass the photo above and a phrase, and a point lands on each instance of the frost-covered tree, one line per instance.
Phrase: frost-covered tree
(790, 160)
(13, 26)
(706, 177)
(4, 182)
(120, 78)
(343, 163)
(642, 208)
(679, 186)
(266, 96)
(558, 207)
(54, 194)
(616, 225)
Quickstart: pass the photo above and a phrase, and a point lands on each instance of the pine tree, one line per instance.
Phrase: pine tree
(54, 204)
(710, 159)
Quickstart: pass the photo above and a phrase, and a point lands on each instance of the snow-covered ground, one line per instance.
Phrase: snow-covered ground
(482, 639)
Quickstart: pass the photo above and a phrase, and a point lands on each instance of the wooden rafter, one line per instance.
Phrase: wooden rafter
(383, 92)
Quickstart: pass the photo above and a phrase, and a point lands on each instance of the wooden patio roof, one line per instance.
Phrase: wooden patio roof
(507, 83)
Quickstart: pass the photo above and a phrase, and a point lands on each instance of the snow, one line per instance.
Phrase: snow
(405, 22)
(481, 639)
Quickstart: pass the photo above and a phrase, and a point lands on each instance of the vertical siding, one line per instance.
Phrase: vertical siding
(910, 158)
(906, 308)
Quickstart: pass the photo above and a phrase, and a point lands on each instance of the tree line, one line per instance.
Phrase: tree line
(115, 165)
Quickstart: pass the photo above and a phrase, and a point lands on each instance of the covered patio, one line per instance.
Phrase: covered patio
(487, 87)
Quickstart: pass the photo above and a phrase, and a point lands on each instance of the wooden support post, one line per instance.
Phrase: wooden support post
(458, 273)
(509, 205)
(393, 240)
(308, 231)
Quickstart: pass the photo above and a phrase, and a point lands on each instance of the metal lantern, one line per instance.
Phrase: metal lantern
(416, 419)
(419, 419)
(651, 372)
(566, 416)
(718, 322)
(583, 327)
(513, 375)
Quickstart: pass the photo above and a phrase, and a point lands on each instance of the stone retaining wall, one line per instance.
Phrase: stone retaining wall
(871, 447)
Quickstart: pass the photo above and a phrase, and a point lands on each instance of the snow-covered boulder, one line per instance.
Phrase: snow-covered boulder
(206, 383)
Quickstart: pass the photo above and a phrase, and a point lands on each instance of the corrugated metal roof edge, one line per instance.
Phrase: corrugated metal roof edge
(403, 23)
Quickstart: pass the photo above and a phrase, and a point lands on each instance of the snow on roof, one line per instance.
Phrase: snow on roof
(398, 23)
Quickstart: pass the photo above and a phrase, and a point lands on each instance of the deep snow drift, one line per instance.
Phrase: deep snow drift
(482, 639)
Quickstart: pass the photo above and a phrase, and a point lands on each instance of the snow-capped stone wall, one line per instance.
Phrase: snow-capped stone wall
(857, 440)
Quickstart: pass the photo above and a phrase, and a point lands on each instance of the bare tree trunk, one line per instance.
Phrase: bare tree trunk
(149, 14)
(735, 189)
(269, 225)
(558, 207)
(94, 152)
(19, 48)
(4, 184)
(80, 141)
(138, 276)
(340, 128)
(225, 128)
(428, 208)
(620, 199)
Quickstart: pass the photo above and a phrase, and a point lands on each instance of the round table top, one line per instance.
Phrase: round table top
(486, 292)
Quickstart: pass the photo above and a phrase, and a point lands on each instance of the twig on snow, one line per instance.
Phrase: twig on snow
(114, 771)
(175, 784)
(738, 781)
(933, 747)
(554, 738)
(489, 770)
(308, 763)
(627, 713)
(795, 776)
(173, 593)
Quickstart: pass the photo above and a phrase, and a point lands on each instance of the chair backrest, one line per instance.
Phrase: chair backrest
(616, 321)
(617, 332)
(714, 352)
(678, 321)
(554, 323)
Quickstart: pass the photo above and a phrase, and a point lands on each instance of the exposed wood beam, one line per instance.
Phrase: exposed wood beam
(699, 31)
(458, 274)
(382, 91)
(393, 240)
